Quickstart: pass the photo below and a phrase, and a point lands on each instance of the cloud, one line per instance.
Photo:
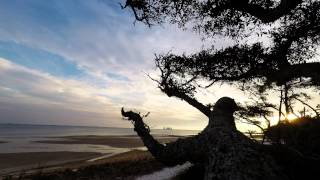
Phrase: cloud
(99, 37)
(100, 40)
(34, 90)
(31, 96)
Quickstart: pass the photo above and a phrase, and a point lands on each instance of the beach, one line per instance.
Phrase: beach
(15, 163)
(27, 150)
(131, 141)
(27, 163)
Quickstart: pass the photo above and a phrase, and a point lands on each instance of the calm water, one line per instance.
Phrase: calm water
(21, 138)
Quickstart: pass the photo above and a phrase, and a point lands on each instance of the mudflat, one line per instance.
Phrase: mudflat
(114, 141)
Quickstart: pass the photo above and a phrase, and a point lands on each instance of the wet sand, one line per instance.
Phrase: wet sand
(114, 141)
(17, 162)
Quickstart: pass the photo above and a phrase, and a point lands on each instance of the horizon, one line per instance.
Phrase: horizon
(30, 124)
(79, 62)
(159, 89)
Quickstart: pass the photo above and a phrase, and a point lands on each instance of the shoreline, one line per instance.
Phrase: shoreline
(113, 141)
(46, 162)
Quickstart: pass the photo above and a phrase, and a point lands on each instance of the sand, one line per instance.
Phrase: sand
(128, 165)
(114, 141)
(16, 162)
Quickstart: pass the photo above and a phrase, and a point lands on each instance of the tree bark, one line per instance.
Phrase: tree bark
(225, 152)
(170, 154)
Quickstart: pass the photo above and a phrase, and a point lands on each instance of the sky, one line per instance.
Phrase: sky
(77, 62)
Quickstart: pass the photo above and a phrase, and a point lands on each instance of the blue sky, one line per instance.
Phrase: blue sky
(39, 59)
(77, 62)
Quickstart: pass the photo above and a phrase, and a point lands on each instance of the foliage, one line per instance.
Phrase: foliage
(302, 134)
(275, 49)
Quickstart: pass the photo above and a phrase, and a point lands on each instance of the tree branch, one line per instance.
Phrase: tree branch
(306, 104)
(170, 154)
(266, 15)
(307, 70)
(192, 101)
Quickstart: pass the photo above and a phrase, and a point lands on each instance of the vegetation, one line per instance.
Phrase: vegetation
(274, 51)
(302, 134)
(274, 48)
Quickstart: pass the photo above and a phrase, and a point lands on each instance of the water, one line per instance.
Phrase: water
(26, 130)
(22, 137)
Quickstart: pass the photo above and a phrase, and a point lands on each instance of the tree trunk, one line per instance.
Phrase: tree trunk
(225, 152)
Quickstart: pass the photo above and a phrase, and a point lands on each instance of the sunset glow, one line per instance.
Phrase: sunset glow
(291, 117)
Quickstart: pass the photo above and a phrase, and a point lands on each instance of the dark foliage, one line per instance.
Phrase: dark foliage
(296, 146)
(302, 134)
(285, 62)
(294, 27)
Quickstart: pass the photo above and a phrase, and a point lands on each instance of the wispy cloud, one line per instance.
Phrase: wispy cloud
(82, 61)
(28, 95)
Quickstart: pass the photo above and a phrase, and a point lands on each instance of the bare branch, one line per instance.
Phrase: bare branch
(306, 104)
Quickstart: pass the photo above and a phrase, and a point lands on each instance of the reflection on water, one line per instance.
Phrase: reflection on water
(16, 145)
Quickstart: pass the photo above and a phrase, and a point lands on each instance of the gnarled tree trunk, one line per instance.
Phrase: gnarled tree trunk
(225, 152)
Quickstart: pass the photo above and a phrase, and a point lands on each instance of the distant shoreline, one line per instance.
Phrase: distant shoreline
(59, 125)
(17, 162)
(49, 149)
(82, 126)
(114, 141)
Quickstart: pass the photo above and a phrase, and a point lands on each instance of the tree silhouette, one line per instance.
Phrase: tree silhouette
(220, 148)
(286, 61)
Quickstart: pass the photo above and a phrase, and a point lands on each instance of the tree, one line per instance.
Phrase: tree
(286, 61)
(220, 148)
